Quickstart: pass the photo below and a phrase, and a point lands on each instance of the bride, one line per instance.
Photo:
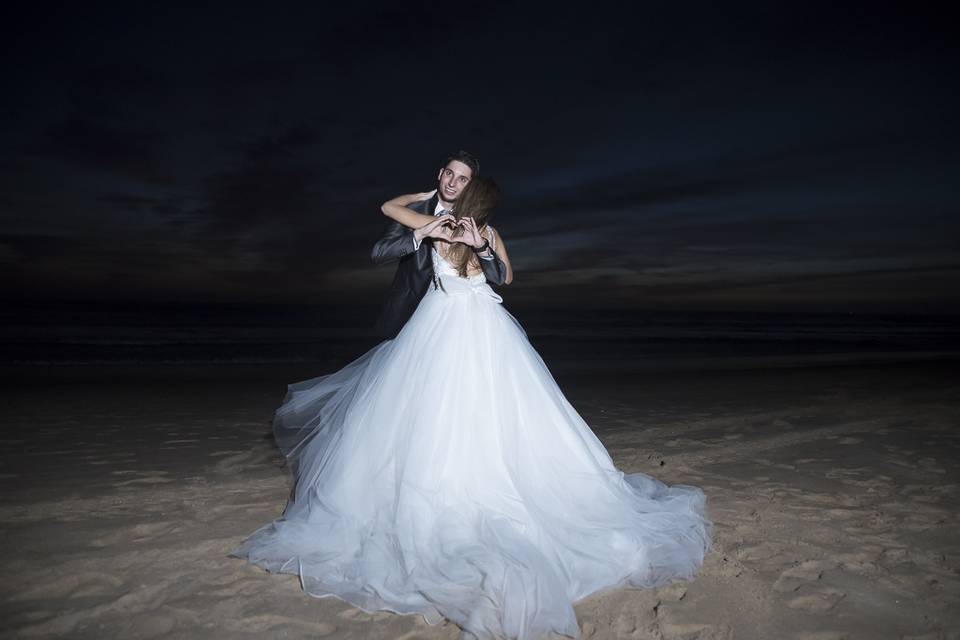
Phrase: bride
(444, 473)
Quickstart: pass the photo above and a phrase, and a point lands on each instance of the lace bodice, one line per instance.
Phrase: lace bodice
(443, 268)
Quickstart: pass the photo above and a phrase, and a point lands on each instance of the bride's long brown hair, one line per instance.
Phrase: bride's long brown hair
(477, 200)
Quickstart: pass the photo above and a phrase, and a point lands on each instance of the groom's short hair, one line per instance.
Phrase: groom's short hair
(466, 158)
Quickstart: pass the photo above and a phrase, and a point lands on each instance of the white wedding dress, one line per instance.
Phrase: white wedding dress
(444, 473)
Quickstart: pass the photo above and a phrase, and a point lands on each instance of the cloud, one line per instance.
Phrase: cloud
(645, 153)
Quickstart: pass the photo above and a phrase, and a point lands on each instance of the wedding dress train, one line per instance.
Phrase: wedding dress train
(444, 473)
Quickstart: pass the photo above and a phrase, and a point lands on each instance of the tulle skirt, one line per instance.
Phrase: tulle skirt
(444, 473)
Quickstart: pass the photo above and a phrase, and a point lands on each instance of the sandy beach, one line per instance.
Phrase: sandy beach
(834, 491)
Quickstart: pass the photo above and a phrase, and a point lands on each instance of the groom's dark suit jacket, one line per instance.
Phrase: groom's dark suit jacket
(414, 272)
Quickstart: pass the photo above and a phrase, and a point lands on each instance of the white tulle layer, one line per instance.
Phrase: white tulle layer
(444, 473)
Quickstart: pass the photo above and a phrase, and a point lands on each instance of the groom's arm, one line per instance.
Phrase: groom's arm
(494, 261)
(493, 268)
(397, 242)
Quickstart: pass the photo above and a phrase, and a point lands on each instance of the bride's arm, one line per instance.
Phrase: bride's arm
(397, 209)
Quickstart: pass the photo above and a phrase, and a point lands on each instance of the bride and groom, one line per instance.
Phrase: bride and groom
(412, 245)
(444, 473)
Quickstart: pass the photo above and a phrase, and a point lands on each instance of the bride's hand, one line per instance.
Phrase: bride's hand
(423, 195)
(410, 198)
(471, 235)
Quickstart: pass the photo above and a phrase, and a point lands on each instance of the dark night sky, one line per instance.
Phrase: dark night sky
(732, 158)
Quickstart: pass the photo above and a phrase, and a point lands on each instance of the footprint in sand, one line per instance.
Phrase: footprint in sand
(721, 564)
(822, 600)
(137, 533)
(894, 555)
(800, 575)
(804, 578)
(760, 552)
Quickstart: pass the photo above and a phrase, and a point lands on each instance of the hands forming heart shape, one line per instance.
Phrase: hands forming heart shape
(451, 229)
(447, 227)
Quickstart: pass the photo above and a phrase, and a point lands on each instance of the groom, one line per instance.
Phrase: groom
(412, 247)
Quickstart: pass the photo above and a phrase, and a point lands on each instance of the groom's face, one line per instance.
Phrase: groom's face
(453, 178)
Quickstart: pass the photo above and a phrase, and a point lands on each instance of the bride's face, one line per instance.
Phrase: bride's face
(453, 178)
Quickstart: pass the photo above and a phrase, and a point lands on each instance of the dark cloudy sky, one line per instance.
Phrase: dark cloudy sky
(756, 157)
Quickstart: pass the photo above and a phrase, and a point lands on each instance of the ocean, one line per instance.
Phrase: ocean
(585, 338)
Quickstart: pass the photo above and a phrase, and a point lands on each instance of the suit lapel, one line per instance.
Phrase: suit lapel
(431, 205)
(428, 208)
